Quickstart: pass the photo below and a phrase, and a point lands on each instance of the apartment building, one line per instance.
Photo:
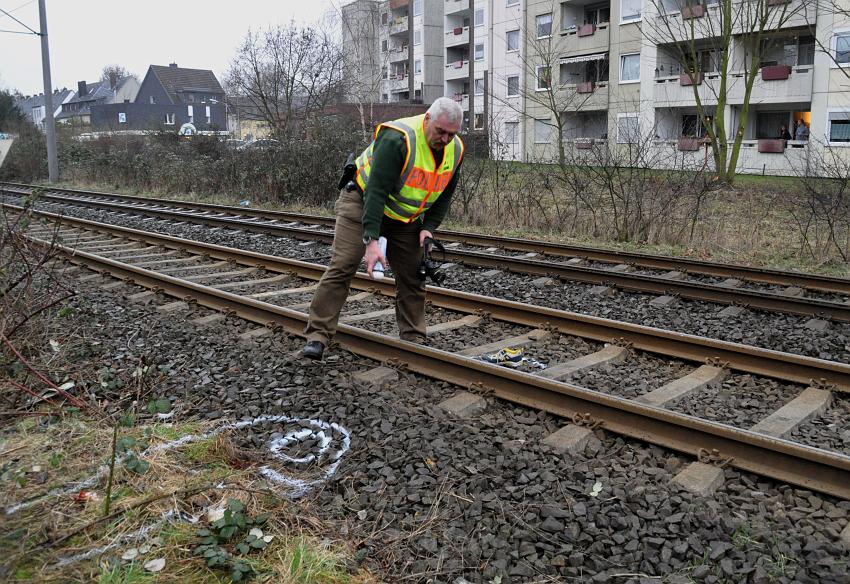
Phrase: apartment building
(394, 50)
(615, 71)
(545, 78)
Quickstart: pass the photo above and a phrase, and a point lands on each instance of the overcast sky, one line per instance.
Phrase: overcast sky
(85, 35)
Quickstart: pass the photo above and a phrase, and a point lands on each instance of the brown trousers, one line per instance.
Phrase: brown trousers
(403, 254)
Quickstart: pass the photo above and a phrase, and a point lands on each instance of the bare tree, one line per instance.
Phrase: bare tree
(287, 74)
(727, 40)
(112, 73)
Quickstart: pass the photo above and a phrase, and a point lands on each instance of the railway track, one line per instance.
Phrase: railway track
(820, 297)
(248, 284)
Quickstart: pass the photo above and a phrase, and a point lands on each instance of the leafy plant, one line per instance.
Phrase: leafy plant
(217, 545)
(159, 406)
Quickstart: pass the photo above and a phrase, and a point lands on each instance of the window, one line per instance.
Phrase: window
(384, 17)
(153, 99)
(417, 66)
(190, 98)
(417, 7)
(169, 119)
(629, 10)
(513, 40)
(190, 111)
(479, 121)
(542, 132)
(544, 78)
(630, 68)
(383, 46)
(417, 37)
(479, 17)
(209, 118)
(479, 52)
(544, 25)
(513, 85)
(628, 128)
(511, 132)
(512, 2)
(122, 118)
(841, 48)
(479, 87)
(838, 129)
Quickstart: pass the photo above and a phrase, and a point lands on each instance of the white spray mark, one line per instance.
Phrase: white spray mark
(317, 429)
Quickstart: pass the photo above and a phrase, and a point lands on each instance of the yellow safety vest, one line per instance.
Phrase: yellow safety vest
(421, 182)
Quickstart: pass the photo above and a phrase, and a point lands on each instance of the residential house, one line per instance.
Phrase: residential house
(169, 96)
(78, 109)
(33, 108)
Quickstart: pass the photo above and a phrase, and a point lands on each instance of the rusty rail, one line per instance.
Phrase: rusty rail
(627, 281)
(650, 261)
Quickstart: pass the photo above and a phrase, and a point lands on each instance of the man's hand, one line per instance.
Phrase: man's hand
(422, 235)
(374, 255)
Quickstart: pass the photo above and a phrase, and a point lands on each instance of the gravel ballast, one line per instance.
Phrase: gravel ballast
(430, 498)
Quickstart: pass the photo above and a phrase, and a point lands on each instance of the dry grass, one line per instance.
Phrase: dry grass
(38, 458)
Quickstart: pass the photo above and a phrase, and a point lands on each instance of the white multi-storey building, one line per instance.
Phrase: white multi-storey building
(531, 72)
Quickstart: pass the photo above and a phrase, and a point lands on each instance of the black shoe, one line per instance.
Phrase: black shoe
(313, 350)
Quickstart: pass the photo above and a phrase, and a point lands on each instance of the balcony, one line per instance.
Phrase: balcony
(587, 38)
(457, 36)
(587, 96)
(678, 91)
(455, 6)
(398, 82)
(773, 89)
(463, 100)
(399, 25)
(398, 54)
(456, 70)
(705, 18)
(750, 161)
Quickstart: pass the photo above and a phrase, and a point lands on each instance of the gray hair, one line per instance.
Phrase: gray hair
(446, 108)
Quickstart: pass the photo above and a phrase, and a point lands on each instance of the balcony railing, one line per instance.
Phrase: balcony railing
(705, 18)
(457, 70)
(457, 36)
(462, 99)
(453, 6)
(589, 95)
(399, 25)
(398, 54)
(585, 38)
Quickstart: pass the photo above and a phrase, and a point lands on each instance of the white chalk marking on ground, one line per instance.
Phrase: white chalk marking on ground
(317, 429)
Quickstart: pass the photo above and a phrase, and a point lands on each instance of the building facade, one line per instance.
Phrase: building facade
(169, 96)
(547, 78)
(34, 108)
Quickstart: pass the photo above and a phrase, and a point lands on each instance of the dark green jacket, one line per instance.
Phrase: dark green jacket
(387, 162)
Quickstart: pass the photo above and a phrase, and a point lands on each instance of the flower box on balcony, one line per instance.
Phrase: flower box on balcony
(697, 11)
(688, 144)
(775, 72)
(586, 30)
(584, 144)
(773, 146)
(586, 87)
(777, 2)
(458, 30)
(685, 79)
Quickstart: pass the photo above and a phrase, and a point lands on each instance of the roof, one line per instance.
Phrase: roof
(176, 80)
(27, 103)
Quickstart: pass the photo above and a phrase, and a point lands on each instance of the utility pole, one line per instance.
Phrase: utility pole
(49, 122)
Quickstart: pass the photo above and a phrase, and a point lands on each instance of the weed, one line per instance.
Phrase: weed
(310, 562)
(117, 574)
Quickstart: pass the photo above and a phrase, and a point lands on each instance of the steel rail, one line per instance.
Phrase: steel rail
(769, 301)
(782, 460)
(685, 265)
(755, 360)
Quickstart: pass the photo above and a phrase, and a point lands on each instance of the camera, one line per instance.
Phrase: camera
(429, 268)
